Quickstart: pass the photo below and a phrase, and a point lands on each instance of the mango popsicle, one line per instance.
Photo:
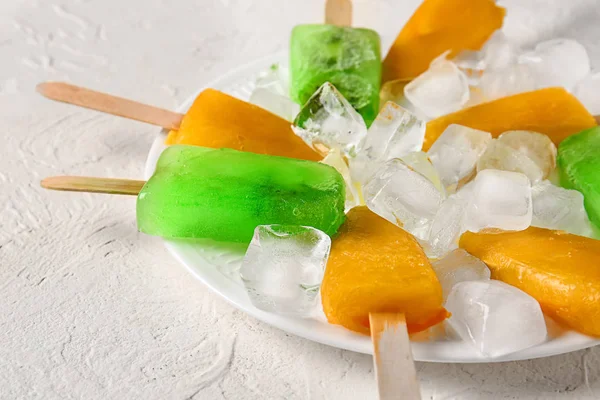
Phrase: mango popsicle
(552, 111)
(374, 266)
(348, 58)
(559, 270)
(438, 26)
(579, 163)
(218, 120)
(223, 194)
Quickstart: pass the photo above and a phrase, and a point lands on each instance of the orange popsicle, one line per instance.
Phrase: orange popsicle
(438, 26)
(374, 266)
(218, 120)
(553, 111)
(561, 271)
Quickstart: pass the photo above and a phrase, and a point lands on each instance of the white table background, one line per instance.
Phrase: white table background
(91, 309)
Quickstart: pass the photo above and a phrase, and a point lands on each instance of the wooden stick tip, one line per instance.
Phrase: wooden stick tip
(41, 87)
(48, 182)
(45, 88)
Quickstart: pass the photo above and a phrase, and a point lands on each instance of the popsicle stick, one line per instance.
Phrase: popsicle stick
(597, 118)
(394, 366)
(93, 185)
(110, 104)
(338, 12)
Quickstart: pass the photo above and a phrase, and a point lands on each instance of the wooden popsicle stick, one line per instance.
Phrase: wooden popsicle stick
(597, 118)
(93, 185)
(394, 366)
(338, 12)
(110, 104)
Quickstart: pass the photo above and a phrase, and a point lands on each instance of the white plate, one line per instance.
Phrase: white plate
(216, 264)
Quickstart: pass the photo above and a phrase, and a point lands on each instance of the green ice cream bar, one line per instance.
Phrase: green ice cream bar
(223, 194)
(349, 58)
(579, 164)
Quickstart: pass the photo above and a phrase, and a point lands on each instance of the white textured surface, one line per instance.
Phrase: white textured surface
(91, 309)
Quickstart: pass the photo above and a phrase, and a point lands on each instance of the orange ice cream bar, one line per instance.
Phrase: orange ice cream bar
(375, 266)
(561, 271)
(218, 120)
(438, 26)
(553, 111)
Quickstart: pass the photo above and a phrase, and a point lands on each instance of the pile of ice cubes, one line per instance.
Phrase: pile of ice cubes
(466, 181)
(499, 69)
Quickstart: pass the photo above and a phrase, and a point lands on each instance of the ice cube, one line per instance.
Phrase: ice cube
(283, 268)
(503, 157)
(475, 97)
(498, 51)
(335, 159)
(497, 54)
(469, 60)
(537, 146)
(587, 92)
(500, 199)
(558, 208)
(394, 133)
(558, 62)
(447, 226)
(327, 118)
(496, 318)
(471, 63)
(440, 90)
(466, 191)
(455, 153)
(512, 79)
(420, 162)
(275, 79)
(403, 197)
(459, 266)
(275, 103)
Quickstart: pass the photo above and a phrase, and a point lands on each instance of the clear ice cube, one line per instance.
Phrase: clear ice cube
(503, 157)
(558, 208)
(329, 119)
(537, 146)
(476, 97)
(455, 153)
(276, 103)
(404, 197)
(420, 162)
(496, 318)
(283, 268)
(465, 191)
(497, 54)
(469, 60)
(440, 90)
(447, 226)
(500, 199)
(471, 63)
(336, 160)
(394, 133)
(498, 51)
(512, 79)
(587, 92)
(459, 266)
(558, 62)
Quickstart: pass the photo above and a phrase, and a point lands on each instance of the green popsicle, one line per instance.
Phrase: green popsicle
(349, 58)
(579, 164)
(223, 194)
